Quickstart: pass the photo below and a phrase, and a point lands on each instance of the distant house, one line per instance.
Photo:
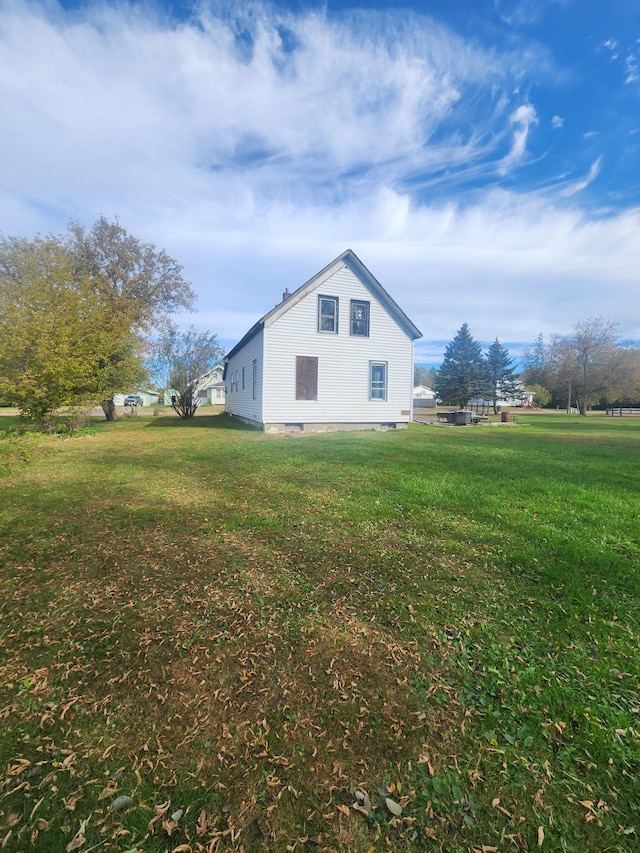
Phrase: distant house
(521, 398)
(424, 398)
(211, 388)
(337, 353)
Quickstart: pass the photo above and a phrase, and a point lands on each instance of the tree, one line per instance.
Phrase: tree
(563, 371)
(73, 312)
(53, 331)
(537, 369)
(424, 376)
(541, 395)
(593, 353)
(180, 362)
(500, 371)
(462, 374)
(627, 388)
(139, 283)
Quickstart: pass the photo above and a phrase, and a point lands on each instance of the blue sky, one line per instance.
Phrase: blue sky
(482, 157)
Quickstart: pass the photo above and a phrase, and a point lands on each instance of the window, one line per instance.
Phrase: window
(255, 378)
(306, 377)
(359, 318)
(378, 380)
(243, 377)
(328, 314)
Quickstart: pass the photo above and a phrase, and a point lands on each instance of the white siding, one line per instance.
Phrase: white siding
(240, 401)
(343, 361)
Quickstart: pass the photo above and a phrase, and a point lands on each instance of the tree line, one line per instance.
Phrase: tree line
(87, 314)
(590, 366)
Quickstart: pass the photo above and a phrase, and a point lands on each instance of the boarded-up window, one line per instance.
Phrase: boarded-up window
(306, 377)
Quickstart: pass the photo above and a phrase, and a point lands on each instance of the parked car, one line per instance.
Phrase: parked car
(133, 400)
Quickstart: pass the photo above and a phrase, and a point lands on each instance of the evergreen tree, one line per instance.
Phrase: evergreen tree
(501, 382)
(537, 359)
(462, 374)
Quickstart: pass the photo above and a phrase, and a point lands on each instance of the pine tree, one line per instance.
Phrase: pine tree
(537, 370)
(462, 374)
(501, 381)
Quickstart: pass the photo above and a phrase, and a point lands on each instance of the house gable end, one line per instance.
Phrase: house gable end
(353, 262)
(350, 260)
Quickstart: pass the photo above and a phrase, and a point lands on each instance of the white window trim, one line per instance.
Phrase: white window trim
(376, 398)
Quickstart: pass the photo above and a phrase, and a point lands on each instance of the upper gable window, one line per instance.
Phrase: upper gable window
(359, 318)
(328, 314)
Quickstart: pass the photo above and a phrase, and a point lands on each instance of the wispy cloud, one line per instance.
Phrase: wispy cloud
(612, 46)
(255, 144)
(522, 119)
(251, 98)
(583, 183)
(632, 69)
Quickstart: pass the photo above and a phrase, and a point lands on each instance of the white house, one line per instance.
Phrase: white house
(337, 353)
(522, 398)
(424, 397)
(211, 388)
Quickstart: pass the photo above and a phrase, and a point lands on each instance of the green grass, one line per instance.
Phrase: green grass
(252, 634)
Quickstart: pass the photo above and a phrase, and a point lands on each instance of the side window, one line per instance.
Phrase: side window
(306, 377)
(328, 314)
(255, 378)
(359, 318)
(243, 377)
(378, 380)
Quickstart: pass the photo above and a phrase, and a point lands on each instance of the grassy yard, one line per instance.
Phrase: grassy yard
(215, 640)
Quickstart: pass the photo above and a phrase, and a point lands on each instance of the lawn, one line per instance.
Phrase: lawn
(217, 640)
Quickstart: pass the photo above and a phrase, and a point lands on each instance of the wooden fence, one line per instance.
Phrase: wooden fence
(623, 412)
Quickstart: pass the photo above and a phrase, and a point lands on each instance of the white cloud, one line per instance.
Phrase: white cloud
(510, 266)
(557, 122)
(110, 96)
(632, 69)
(583, 183)
(612, 46)
(257, 148)
(522, 118)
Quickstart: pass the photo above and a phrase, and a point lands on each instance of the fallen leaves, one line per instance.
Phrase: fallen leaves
(275, 667)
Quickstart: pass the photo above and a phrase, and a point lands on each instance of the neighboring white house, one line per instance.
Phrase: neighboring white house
(522, 398)
(211, 388)
(337, 353)
(424, 398)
